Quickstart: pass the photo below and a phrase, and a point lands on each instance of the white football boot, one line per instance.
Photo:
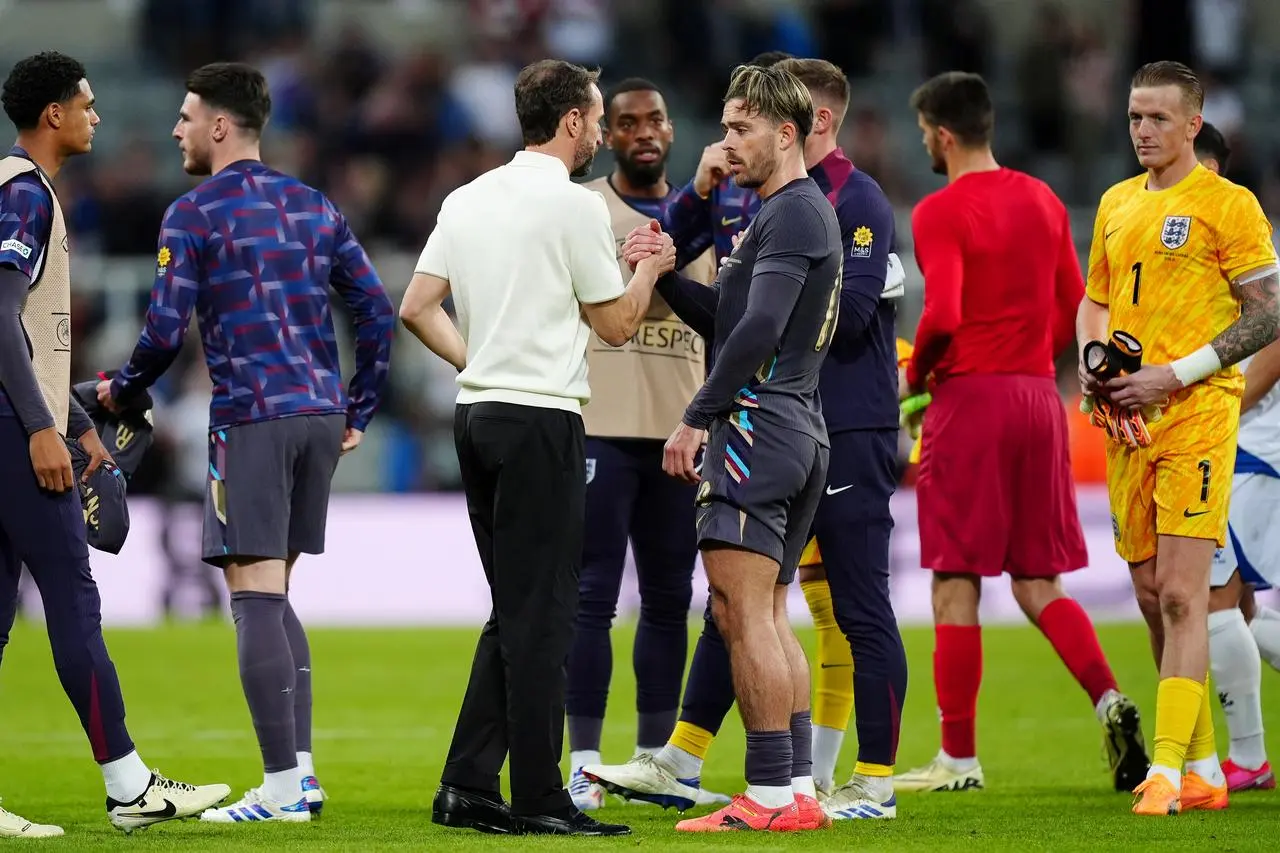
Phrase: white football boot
(255, 807)
(164, 800)
(16, 826)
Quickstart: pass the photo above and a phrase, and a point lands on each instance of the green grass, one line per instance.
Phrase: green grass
(385, 706)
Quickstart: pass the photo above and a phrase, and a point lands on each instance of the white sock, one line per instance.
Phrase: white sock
(878, 788)
(803, 785)
(1266, 632)
(1209, 769)
(771, 796)
(826, 751)
(1174, 776)
(127, 778)
(284, 787)
(1104, 704)
(306, 765)
(1236, 667)
(646, 750)
(582, 757)
(959, 765)
(683, 764)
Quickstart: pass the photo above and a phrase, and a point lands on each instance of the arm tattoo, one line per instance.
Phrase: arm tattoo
(1259, 321)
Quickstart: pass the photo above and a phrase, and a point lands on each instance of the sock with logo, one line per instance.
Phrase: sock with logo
(1236, 667)
(832, 682)
(269, 678)
(300, 649)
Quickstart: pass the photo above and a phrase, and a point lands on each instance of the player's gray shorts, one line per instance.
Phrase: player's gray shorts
(760, 491)
(269, 487)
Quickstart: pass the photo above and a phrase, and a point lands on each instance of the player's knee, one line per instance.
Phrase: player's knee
(666, 610)
(1177, 603)
(955, 599)
(1035, 594)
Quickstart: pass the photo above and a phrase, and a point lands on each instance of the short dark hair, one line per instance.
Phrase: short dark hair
(773, 93)
(238, 89)
(545, 91)
(960, 102)
(1165, 73)
(1211, 143)
(768, 58)
(630, 84)
(38, 81)
(823, 79)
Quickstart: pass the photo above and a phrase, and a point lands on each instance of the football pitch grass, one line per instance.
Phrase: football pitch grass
(385, 704)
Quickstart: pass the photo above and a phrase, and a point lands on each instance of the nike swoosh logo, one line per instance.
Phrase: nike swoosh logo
(169, 810)
(1107, 236)
(1187, 513)
(725, 221)
(832, 491)
(833, 665)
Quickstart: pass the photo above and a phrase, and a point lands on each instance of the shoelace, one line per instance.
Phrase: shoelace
(854, 789)
(169, 784)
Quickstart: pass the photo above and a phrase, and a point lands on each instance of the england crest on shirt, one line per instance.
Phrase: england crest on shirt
(1175, 232)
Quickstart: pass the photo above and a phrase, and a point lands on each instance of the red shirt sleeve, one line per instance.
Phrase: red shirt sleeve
(940, 255)
(1068, 290)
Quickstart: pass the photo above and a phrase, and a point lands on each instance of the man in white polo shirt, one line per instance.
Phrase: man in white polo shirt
(530, 259)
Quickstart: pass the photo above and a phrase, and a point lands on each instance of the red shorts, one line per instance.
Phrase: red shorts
(995, 492)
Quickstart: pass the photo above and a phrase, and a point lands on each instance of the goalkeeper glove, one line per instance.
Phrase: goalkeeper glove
(911, 413)
(1120, 356)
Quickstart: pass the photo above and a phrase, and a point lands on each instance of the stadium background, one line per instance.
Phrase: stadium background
(387, 105)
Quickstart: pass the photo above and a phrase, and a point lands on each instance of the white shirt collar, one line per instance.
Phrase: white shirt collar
(538, 160)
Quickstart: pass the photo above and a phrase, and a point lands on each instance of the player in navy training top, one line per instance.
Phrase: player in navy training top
(252, 252)
(771, 316)
(847, 582)
(49, 101)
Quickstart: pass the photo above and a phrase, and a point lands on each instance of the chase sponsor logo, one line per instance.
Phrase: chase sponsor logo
(16, 246)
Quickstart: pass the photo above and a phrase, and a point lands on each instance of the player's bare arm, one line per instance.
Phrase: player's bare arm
(1258, 325)
(1261, 375)
(422, 312)
(1092, 321)
(1259, 320)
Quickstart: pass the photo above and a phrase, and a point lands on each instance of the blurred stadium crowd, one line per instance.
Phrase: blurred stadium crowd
(387, 105)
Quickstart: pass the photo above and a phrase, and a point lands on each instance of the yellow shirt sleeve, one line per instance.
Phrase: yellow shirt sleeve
(1244, 235)
(1098, 284)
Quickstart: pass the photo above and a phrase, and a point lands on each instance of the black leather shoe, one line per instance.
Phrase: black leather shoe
(569, 822)
(462, 808)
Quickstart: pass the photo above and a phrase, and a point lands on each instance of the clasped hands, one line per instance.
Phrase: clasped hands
(649, 241)
(1124, 406)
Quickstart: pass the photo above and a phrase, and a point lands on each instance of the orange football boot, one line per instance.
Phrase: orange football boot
(743, 813)
(1197, 793)
(1156, 796)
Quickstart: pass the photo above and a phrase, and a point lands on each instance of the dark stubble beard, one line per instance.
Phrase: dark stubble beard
(583, 158)
(643, 175)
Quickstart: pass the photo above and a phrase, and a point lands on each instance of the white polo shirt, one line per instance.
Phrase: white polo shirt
(523, 248)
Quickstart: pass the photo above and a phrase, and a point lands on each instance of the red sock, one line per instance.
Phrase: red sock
(1067, 626)
(957, 673)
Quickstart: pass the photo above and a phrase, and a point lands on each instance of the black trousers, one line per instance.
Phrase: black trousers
(524, 473)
